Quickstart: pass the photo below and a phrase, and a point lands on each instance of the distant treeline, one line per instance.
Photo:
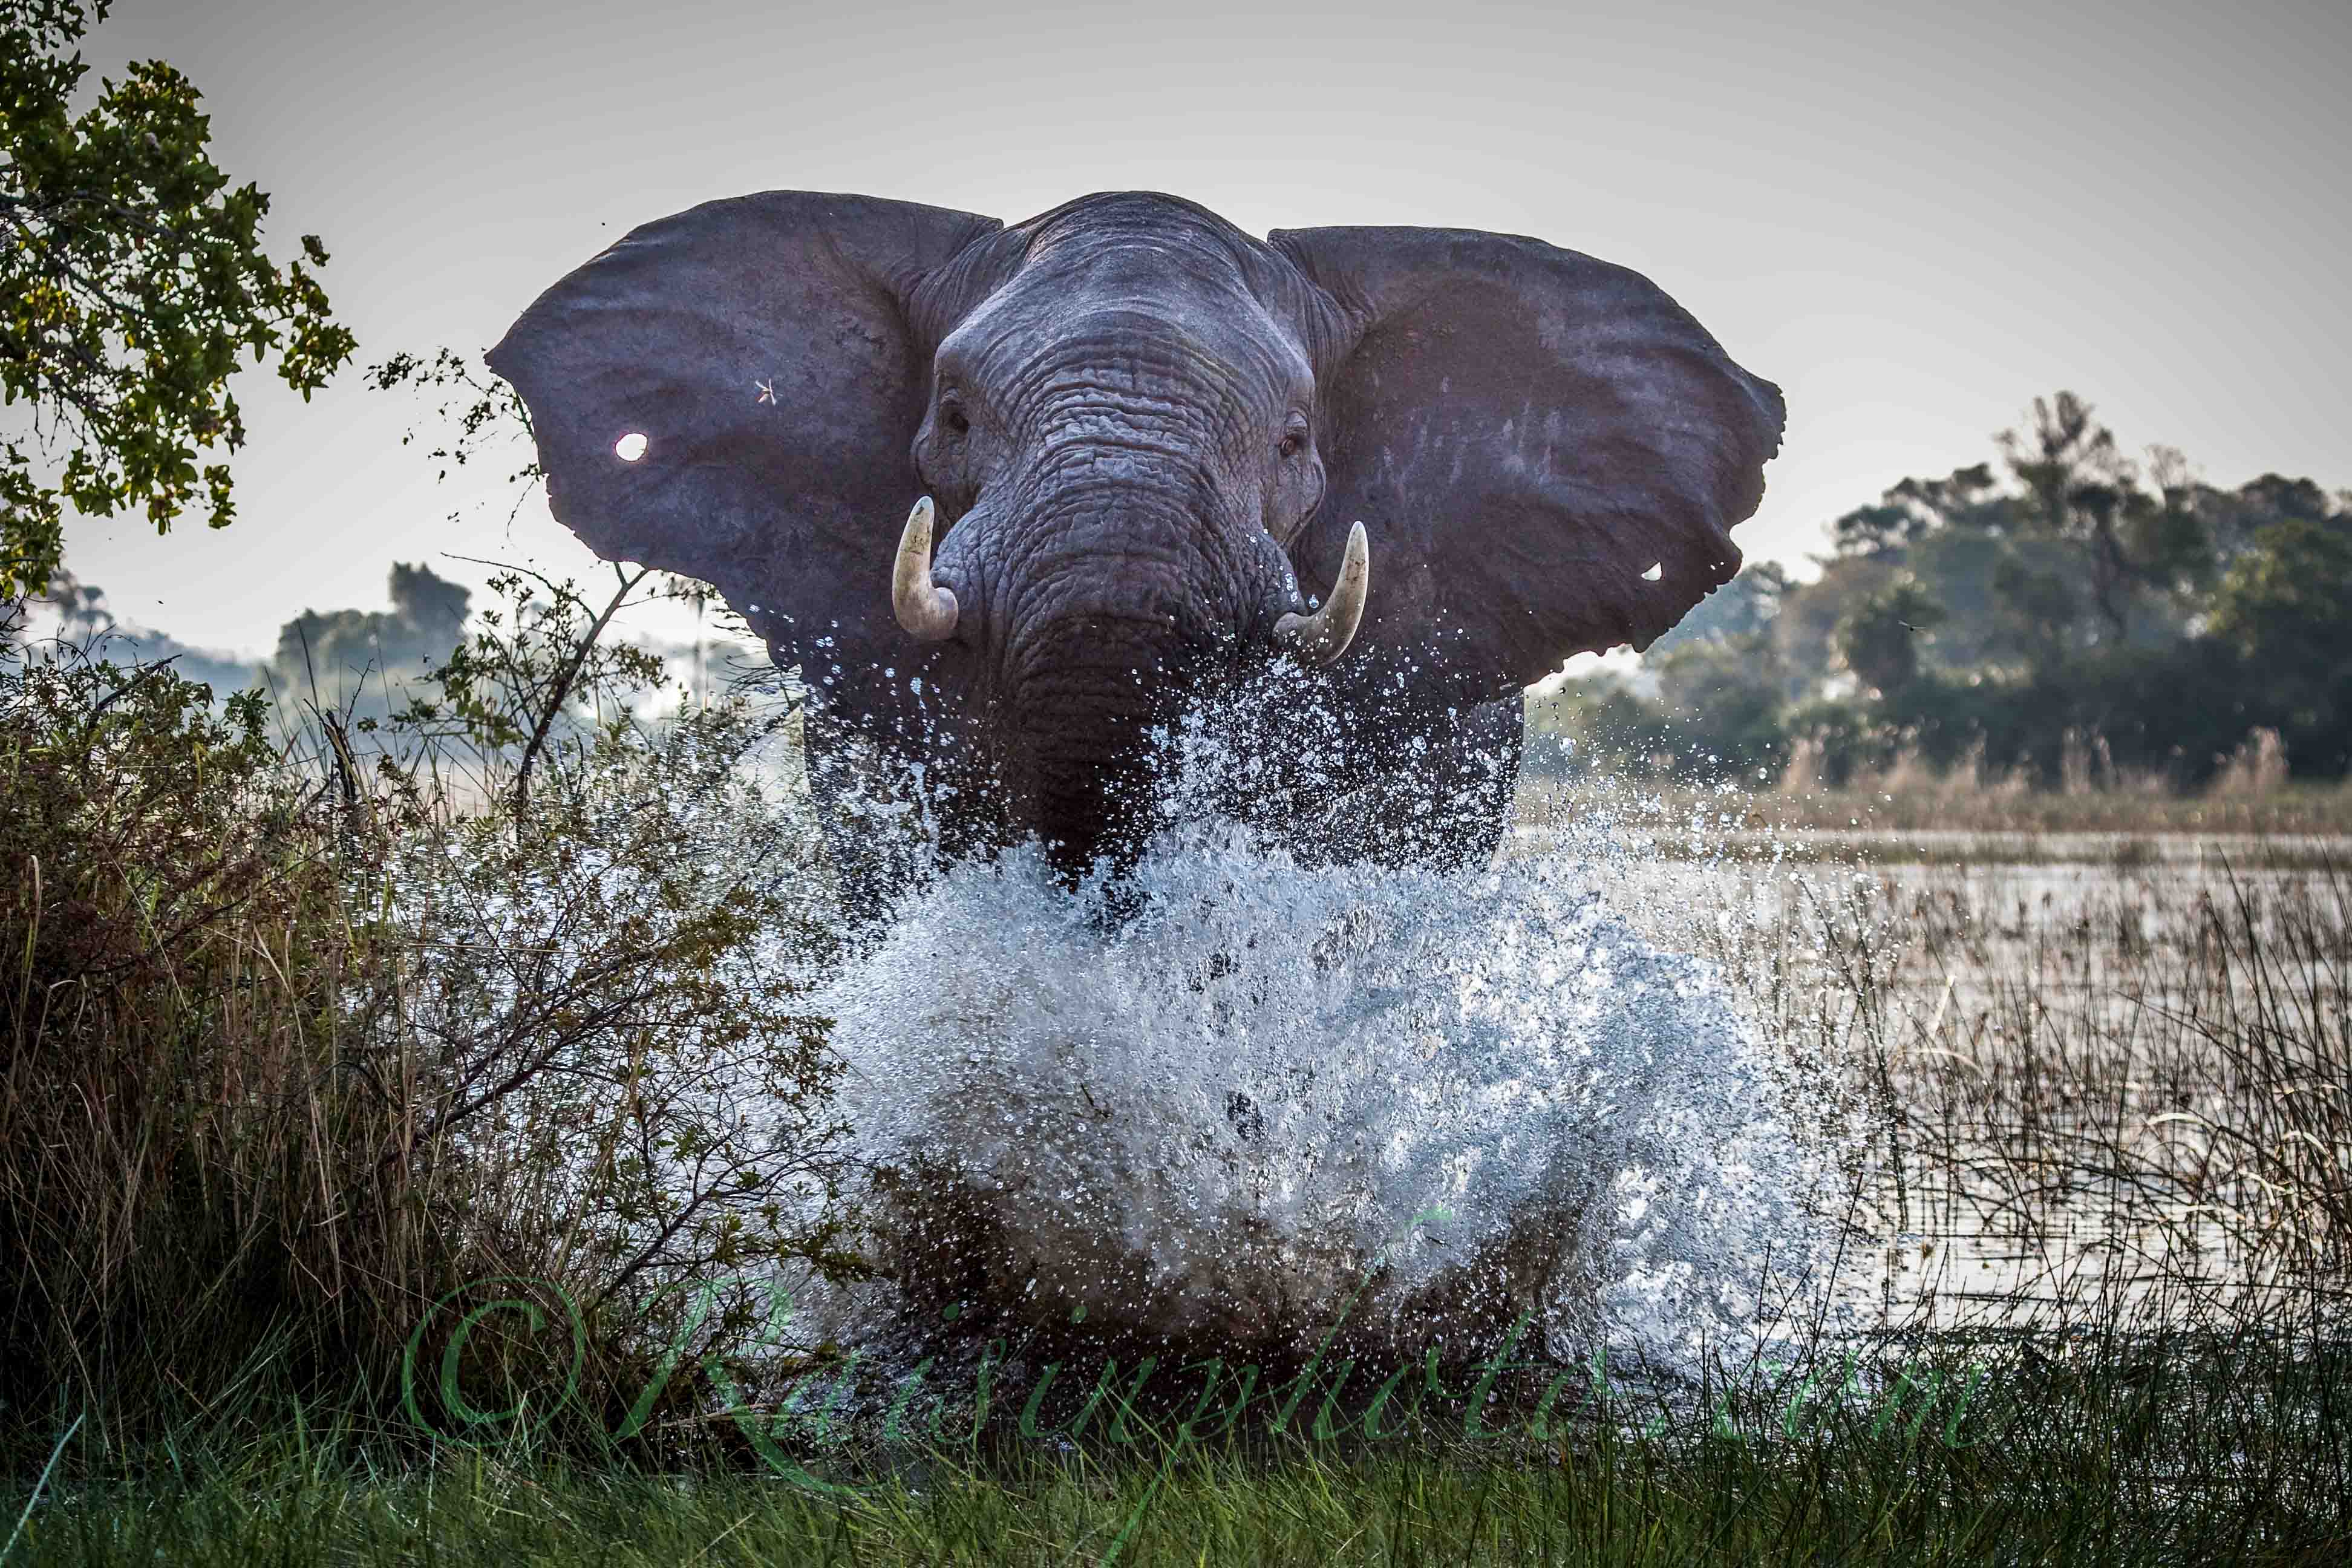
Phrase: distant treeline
(342, 659)
(363, 665)
(2014, 617)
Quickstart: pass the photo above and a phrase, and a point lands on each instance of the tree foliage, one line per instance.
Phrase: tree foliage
(2066, 590)
(132, 282)
(1879, 637)
(537, 674)
(2286, 608)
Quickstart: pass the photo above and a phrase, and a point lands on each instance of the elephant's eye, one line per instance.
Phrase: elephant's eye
(955, 419)
(1293, 442)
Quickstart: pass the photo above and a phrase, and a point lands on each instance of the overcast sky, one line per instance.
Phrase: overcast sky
(1913, 216)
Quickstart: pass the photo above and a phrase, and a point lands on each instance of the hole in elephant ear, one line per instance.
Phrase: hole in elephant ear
(1657, 570)
(630, 447)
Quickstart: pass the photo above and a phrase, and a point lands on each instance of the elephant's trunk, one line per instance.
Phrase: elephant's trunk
(1111, 605)
(1077, 750)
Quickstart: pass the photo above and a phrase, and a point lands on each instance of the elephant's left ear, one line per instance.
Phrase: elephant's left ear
(1549, 452)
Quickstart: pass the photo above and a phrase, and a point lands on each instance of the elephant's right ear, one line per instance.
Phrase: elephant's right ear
(730, 392)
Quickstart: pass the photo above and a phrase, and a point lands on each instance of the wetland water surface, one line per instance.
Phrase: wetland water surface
(1668, 1105)
(2103, 1077)
(1430, 1103)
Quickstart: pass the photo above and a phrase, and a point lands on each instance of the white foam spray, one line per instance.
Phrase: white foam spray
(1230, 1116)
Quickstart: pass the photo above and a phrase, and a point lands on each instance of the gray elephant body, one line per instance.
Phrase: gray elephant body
(1146, 432)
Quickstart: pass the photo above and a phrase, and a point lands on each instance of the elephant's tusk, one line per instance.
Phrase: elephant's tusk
(927, 610)
(1324, 636)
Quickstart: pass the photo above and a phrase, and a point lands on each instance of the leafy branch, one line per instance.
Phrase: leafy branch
(132, 282)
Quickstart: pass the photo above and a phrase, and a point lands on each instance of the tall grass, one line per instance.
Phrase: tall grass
(292, 1046)
(297, 1048)
(1956, 802)
(1896, 787)
(2257, 768)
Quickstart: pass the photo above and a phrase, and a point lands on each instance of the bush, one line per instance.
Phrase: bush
(291, 1046)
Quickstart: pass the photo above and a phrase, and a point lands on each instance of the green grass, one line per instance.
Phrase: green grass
(2138, 1469)
(2166, 1448)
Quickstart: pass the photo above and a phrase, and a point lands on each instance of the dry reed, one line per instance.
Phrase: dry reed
(290, 1050)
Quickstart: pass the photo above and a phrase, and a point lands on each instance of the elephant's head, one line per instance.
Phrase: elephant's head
(1019, 488)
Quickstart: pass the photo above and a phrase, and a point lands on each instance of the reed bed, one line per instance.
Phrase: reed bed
(1922, 800)
(2097, 1094)
(292, 1049)
(2099, 1218)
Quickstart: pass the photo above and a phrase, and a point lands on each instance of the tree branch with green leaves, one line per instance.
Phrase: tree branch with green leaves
(133, 284)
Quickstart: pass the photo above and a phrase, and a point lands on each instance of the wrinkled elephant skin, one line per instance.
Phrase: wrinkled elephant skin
(1010, 497)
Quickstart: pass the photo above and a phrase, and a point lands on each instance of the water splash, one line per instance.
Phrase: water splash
(1228, 1117)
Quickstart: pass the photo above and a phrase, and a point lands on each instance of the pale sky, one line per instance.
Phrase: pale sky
(1913, 216)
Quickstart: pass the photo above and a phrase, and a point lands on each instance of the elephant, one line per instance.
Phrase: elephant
(1012, 498)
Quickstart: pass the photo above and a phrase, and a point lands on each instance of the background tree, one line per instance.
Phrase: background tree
(131, 280)
(2073, 592)
(360, 662)
(1880, 639)
(1742, 607)
(1804, 633)
(2285, 607)
(2085, 494)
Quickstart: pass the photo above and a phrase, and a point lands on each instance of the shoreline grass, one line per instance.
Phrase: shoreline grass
(2216, 1452)
(2313, 809)
(2142, 1099)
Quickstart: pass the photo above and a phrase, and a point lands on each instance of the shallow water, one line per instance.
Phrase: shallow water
(2054, 1036)
(1279, 1098)
(1615, 1083)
